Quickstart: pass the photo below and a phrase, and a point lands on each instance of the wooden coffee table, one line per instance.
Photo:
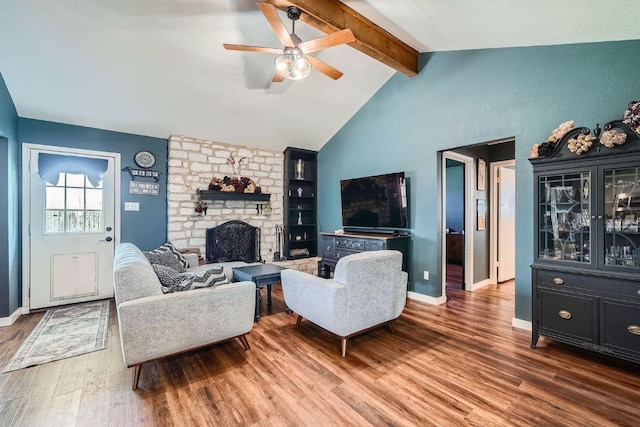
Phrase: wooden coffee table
(262, 275)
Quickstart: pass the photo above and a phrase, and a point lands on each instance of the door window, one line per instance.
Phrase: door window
(73, 205)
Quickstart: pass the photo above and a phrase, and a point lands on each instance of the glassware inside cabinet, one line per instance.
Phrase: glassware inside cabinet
(622, 217)
(564, 217)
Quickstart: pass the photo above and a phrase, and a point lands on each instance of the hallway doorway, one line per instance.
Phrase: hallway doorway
(473, 167)
(503, 193)
(458, 172)
(455, 216)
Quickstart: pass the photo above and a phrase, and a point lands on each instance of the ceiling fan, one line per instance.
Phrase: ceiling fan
(294, 62)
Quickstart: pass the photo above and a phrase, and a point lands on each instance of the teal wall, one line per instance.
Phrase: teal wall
(9, 225)
(466, 97)
(146, 228)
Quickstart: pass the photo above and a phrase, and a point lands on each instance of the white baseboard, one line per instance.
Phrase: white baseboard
(521, 324)
(426, 298)
(25, 310)
(8, 321)
(482, 284)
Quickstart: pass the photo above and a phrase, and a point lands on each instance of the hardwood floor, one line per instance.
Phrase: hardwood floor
(454, 277)
(457, 364)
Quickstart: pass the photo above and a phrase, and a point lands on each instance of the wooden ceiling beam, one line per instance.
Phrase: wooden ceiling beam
(331, 15)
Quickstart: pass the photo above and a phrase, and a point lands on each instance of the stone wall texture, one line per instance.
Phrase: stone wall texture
(193, 163)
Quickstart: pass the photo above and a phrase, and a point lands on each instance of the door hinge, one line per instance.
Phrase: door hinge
(29, 230)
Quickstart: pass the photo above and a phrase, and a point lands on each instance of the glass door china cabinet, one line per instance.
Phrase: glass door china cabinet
(586, 269)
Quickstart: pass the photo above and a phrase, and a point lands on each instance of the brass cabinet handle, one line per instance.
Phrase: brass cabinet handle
(638, 291)
(558, 281)
(564, 314)
(634, 329)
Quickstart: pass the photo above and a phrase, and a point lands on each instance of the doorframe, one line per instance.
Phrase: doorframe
(469, 186)
(494, 208)
(26, 204)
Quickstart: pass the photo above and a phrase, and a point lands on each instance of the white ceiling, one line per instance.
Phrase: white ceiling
(157, 67)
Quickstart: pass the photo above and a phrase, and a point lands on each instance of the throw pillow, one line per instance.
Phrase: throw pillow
(173, 281)
(169, 248)
(165, 274)
(166, 259)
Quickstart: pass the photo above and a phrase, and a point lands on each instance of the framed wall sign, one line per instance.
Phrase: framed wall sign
(144, 188)
(482, 175)
(482, 214)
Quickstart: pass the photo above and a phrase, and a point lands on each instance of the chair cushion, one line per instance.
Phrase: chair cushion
(174, 281)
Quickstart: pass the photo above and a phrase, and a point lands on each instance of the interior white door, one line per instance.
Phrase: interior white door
(506, 224)
(71, 236)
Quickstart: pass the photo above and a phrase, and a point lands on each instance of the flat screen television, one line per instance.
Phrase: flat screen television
(374, 201)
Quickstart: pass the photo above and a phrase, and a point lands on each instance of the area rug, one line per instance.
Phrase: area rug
(64, 332)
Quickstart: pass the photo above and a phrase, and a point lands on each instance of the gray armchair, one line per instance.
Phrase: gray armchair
(368, 289)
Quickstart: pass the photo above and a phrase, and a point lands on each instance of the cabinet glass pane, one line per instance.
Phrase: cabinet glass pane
(621, 215)
(564, 217)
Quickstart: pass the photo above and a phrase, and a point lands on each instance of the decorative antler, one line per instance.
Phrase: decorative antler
(235, 164)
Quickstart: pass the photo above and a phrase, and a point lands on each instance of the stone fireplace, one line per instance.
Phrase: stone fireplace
(192, 164)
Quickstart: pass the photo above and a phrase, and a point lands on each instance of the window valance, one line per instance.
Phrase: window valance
(50, 166)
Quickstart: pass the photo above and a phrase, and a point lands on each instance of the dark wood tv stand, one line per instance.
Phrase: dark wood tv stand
(336, 245)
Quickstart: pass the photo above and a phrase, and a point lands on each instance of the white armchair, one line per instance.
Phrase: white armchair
(368, 289)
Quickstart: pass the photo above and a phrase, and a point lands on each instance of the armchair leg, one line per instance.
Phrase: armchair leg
(344, 346)
(298, 320)
(135, 376)
(391, 328)
(244, 342)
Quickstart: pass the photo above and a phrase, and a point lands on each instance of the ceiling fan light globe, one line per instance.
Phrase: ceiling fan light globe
(293, 65)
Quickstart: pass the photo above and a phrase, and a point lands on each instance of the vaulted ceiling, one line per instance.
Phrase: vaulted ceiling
(157, 67)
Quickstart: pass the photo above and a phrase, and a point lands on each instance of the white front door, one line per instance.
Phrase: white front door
(506, 224)
(72, 219)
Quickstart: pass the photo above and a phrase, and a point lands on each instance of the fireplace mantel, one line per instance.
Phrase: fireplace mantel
(224, 195)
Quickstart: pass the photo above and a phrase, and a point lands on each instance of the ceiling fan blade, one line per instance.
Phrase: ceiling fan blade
(271, 13)
(330, 40)
(324, 68)
(251, 48)
(277, 78)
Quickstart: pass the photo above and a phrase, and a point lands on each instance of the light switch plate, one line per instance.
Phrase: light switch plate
(132, 206)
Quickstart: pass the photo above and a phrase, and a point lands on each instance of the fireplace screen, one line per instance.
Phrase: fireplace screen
(233, 241)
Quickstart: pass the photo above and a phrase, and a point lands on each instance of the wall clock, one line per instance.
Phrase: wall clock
(145, 159)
